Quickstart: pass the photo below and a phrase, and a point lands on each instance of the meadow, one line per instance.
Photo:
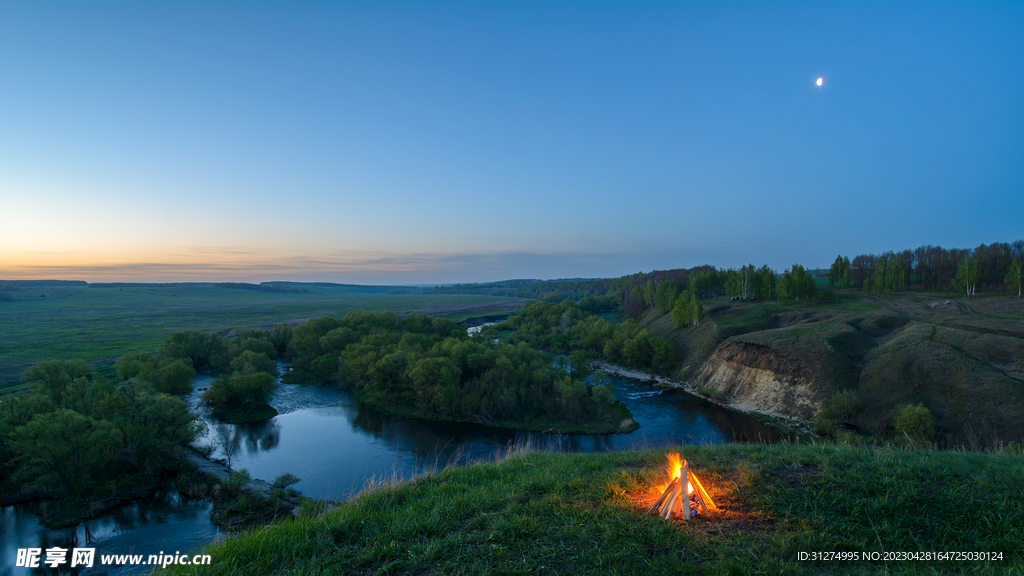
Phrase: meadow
(99, 324)
(917, 510)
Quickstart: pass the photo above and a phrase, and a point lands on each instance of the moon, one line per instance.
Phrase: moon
(818, 82)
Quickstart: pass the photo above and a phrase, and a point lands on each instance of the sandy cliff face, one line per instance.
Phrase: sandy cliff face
(752, 377)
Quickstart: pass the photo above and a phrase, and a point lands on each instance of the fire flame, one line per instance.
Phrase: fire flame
(675, 469)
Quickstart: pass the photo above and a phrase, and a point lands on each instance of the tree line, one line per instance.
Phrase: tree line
(988, 267)
(996, 266)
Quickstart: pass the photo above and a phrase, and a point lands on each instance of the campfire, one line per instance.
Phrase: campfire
(697, 501)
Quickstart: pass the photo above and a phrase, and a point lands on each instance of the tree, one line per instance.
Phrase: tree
(741, 283)
(649, 293)
(54, 376)
(175, 376)
(578, 366)
(63, 451)
(245, 392)
(665, 295)
(835, 272)
(205, 350)
(250, 362)
(767, 283)
(896, 272)
(280, 337)
(748, 278)
(862, 268)
(879, 281)
(225, 440)
(706, 283)
(168, 375)
(797, 283)
(1014, 276)
(687, 310)
(732, 283)
(968, 274)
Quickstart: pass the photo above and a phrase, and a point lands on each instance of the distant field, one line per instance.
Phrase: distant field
(100, 324)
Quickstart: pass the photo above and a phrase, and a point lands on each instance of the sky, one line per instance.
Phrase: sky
(429, 142)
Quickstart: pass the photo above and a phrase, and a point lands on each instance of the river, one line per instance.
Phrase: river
(336, 446)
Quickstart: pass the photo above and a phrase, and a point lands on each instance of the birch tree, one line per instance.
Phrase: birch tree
(687, 310)
(968, 274)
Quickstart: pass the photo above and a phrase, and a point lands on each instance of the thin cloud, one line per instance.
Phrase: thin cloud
(356, 267)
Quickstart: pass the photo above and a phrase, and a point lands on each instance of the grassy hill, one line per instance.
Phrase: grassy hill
(583, 514)
(963, 360)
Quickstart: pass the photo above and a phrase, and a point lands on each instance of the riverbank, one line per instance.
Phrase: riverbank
(222, 473)
(584, 514)
(783, 424)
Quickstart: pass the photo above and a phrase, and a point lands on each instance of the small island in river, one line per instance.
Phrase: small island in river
(426, 367)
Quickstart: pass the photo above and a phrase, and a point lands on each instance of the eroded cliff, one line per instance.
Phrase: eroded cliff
(757, 378)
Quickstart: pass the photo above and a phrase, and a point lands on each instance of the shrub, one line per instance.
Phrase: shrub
(916, 422)
(285, 480)
(708, 391)
(824, 424)
(844, 405)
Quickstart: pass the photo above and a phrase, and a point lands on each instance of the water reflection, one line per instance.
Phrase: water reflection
(163, 522)
(259, 436)
(336, 446)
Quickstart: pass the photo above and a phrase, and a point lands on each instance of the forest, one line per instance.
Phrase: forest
(80, 438)
(563, 326)
(988, 267)
(429, 367)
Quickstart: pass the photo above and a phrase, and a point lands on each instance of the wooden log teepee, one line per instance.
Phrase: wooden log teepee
(678, 495)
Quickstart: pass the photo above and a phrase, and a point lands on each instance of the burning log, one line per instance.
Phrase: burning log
(657, 503)
(696, 501)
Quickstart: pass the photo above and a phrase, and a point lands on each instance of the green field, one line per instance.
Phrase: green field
(541, 513)
(100, 324)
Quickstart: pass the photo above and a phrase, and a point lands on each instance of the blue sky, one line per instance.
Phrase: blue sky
(428, 142)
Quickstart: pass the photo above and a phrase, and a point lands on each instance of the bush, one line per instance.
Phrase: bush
(841, 408)
(708, 391)
(844, 405)
(916, 422)
(824, 424)
(237, 480)
(285, 480)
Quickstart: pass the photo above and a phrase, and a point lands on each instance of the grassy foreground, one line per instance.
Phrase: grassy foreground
(582, 514)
